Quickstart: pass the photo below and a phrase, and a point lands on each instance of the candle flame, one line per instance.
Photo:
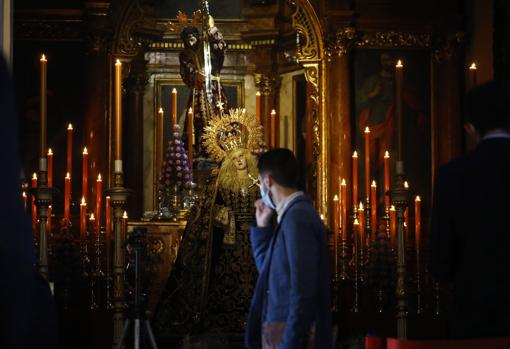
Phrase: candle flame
(92, 218)
(473, 66)
(68, 176)
(356, 222)
(367, 130)
(24, 194)
(399, 64)
(34, 176)
(117, 62)
(160, 111)
(85, 151)
(361, 206)
(343, 181)
(374, 184)
(257, 94)
(322, 216)
(174, 90)
(83, 203)
(417, 198)
(355, 154)
(108, 198)
(273, 112)
(124, 215)
(406, 184)
(70, 126)
(50, 152)
(392, 208)
(43, 58)
(190, 110)
(335, 198)
(386, 154)
(99, 177)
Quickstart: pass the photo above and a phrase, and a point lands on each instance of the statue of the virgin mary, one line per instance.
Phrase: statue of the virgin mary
(210, 287)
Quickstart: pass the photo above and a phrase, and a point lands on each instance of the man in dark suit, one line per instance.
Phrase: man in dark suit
(27, 311)
(470, 235)
(291, 303)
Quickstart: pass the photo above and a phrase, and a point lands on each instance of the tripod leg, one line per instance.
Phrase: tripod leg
(124, 333)
(137, 333)
(151, 335)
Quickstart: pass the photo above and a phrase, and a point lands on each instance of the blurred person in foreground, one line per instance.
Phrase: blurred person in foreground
(470, 234)
(27, 309)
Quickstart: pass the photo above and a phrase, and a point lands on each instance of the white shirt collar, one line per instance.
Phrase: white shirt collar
(284, 204)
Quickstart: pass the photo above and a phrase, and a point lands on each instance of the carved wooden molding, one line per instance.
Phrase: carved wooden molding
(394, 39)
(48, 30)
(310, 55)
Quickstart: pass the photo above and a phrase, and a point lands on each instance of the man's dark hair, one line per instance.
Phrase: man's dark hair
(282, 165)
(488, 106)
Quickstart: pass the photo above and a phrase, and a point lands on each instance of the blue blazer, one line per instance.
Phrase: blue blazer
(294, 282)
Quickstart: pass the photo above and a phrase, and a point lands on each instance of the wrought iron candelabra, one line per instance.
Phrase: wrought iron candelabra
(44, 197)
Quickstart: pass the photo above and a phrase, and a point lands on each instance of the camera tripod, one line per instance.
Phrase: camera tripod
(136, 317)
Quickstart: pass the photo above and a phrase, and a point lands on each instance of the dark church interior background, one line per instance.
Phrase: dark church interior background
(325, 88)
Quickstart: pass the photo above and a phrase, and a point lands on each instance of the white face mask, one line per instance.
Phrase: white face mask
(266, 196)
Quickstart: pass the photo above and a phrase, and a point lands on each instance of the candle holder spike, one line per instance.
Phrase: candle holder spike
(400, 200)
(43, 198)
(118, 200)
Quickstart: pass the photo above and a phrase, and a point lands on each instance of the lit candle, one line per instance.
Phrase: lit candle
(367, 161)
(361, 215)
(393, 225)
(190, 138)
(336, 214)
(258, 109)
(43, 105)
(273, 128)
(398, 84)
(174, 107)
(118, 114)
(85, 174)
(417, 221)
(92, 223)
(343, 197)
(99, 195)
(67, 197)
(83, 218)
(472, 75)
(34, 207)
(356, 233)
(124, 225)
(355, 177)
(108, 219)
(387, 179)
(70, 149)
(50, 168)
(373, 207)
(406, 212)
(24, 197)
(159, 134)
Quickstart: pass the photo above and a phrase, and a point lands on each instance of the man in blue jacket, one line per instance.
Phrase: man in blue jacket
(291, 301)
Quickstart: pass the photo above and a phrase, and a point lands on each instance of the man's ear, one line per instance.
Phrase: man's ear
(268, 181)
(472, 132)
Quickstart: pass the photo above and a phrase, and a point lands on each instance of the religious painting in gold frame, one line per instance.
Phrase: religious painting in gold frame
(374, 105)
(234, 90)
